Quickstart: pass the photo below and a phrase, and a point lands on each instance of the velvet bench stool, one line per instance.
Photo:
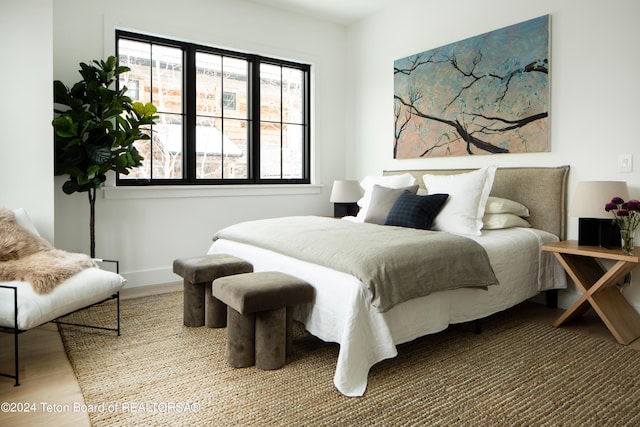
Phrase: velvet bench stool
(200, 308)
(259, 330)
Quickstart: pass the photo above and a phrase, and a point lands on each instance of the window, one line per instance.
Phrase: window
(224, 117)
(229, 100)
(132, 89)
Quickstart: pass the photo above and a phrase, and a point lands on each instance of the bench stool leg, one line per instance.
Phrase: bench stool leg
(193, 310)
(271, 338)
(215, 310)
(240, 339)
(289, 331)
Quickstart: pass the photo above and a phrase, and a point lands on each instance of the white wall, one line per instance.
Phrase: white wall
(594, 84)
(147, 229)
(26, 159)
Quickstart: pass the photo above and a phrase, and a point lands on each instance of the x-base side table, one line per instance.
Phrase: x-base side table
(597, 285)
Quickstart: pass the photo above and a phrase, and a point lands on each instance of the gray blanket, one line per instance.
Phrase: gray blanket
(395, 263)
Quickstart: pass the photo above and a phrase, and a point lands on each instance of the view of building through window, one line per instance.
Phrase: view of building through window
(205, 130)
(221, 131)
(281, 121)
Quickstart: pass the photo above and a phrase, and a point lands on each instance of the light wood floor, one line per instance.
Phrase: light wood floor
(50, 389)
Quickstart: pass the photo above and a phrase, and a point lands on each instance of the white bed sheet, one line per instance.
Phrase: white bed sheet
(82, 289)
(341, 311)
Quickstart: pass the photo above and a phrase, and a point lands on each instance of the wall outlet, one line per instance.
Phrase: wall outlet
(625, 163)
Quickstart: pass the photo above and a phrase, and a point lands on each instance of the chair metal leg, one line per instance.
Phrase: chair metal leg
(15, 333)
(118, 305)
(15, 345)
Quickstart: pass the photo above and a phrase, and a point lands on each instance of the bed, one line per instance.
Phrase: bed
(344, 310)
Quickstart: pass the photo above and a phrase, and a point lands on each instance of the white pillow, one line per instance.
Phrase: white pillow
(390, 181)
(497, 205)
(468, 194)
(503, 220)
(22, 218)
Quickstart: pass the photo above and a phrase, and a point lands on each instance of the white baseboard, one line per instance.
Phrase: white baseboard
(150, 277)
(150, 282)
(145, 291)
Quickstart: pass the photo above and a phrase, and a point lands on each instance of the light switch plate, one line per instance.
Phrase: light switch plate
(625, 163)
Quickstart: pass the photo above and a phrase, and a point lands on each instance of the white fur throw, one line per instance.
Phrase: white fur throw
(29, 258)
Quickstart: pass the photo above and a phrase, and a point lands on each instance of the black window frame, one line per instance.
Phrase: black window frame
(189, 51)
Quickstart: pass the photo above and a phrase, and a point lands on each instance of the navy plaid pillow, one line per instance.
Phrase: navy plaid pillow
(411, 210)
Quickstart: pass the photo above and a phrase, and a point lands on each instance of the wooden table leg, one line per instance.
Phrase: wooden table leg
(598, 291)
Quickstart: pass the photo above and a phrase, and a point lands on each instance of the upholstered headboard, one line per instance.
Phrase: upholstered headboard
(542, 189)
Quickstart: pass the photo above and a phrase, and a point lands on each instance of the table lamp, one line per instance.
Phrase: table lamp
(595, 226)
(344, 196)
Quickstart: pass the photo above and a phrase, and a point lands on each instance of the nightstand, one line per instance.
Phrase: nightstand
(597, 285)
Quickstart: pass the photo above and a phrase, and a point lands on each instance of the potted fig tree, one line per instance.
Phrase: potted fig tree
(95, 127)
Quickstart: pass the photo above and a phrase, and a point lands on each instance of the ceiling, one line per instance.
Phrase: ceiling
(338, 11)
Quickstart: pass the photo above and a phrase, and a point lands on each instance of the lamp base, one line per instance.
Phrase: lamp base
(598, 232)
(345, 209)
(610, 235)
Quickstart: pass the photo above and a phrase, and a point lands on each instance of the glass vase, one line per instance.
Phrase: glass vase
(626, 238)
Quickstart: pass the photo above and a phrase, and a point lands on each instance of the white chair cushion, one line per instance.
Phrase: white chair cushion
(81, 290)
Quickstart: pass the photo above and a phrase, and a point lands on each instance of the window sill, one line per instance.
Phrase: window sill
(178, 191)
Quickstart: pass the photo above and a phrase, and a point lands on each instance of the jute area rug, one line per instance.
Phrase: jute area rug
(514, 374)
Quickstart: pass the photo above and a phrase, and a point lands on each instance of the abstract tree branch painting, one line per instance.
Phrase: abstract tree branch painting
(484, 95)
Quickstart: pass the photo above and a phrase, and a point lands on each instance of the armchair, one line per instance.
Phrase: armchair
(23, 308)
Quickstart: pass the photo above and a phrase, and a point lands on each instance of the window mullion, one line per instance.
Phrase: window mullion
(254, 118)
(222, 118)
(152, 146)
(189, 111)
(281, 125)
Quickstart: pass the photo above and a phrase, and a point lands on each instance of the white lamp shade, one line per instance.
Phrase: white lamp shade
(345, 192)
(591, 197)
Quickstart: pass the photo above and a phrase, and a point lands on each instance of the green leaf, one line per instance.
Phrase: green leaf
(111, 63)
(136, 156)
(60, 92)
(122, 160)
(99, 155)
(93, 169)
(70, 187)
(149, 109)
(62, 125)
(144, 110)
(122, 69)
